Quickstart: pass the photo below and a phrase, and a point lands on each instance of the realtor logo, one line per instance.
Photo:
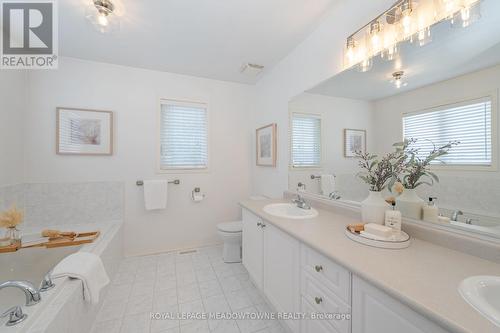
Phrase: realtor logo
(29, 34)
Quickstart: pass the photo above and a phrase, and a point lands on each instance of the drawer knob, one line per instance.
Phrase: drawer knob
(318, 268)
(318, 300)
(263, 225)
(259, 224)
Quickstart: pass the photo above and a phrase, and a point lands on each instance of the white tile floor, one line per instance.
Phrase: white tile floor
(197, 282)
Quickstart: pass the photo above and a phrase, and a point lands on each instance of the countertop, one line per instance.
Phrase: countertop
(423, 276)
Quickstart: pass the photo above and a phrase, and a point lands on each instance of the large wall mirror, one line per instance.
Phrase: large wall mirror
(433, 94)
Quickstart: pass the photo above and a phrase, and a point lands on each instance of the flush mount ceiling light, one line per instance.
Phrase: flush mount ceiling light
(397, 79)
(101, 13)
(405, 20)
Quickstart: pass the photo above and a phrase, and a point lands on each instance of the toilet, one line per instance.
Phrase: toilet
(230, 233)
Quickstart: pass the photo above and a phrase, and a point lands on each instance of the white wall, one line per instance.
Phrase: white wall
(316, 59)
(336, 115)
(474, 191)
(133, 95)
(12, 104)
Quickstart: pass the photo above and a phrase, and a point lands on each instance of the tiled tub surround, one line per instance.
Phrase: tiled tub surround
(197, 282)
(424, 276)
(62, 309)
(55, 204)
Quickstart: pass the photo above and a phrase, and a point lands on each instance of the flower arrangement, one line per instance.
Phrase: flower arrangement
(378, 173)
(416, 169)
(11, 218)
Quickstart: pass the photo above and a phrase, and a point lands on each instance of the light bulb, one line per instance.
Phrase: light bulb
(350, 54)
(406, 23)
(374, 33)
(365, 65)
(102, 19)
(375, 41)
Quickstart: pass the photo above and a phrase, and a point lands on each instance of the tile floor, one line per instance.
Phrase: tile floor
(198, 282)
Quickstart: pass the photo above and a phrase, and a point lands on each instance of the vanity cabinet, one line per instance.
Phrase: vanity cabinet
(253, 246)
(271, 258)
(282, 272)
(373, 311)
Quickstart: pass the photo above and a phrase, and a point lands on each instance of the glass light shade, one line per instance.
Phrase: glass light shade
(102, 22)
(365, 65)
(467, 15)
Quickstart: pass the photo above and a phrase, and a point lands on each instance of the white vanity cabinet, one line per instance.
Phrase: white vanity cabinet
(253, 246)
(373, 311)
(271, 257)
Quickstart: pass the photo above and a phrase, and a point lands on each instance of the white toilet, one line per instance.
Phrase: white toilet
(231, 235)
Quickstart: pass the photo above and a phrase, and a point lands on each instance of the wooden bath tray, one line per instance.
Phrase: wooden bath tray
(79, 239)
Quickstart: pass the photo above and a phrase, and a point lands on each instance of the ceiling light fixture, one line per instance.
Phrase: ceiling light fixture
(397, 79)
(405, 20)
(101, 13)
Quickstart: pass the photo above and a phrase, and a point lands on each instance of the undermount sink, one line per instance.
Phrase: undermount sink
(483, 294)
(290, 211)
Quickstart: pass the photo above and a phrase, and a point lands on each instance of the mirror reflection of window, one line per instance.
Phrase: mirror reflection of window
(306, 140)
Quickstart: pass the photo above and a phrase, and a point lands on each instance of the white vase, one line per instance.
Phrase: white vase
(373, 208)
(410, 204)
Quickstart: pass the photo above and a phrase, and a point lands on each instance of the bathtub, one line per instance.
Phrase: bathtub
(62, 309)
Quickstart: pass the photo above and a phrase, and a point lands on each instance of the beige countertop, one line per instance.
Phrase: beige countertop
(424, 276)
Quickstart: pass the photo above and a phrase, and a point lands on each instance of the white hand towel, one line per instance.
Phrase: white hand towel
(327, 184)
(86, 267)
(155, 194)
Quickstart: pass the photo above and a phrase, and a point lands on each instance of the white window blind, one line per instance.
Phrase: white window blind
(306, 140)
(469, 123)
(183, 135)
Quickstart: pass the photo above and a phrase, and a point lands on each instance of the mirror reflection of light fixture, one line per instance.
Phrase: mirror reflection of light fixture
(397, 79)
(101, 13)
(375, 36)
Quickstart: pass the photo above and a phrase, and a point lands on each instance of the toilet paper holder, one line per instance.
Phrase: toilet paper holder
(196, 195)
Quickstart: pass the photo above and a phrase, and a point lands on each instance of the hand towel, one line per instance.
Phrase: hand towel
(155, 194)
(86, 267)
(327, 184)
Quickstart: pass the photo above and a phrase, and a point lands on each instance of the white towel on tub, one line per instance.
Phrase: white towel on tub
(86, 267)
(155, 194)
(327, 184)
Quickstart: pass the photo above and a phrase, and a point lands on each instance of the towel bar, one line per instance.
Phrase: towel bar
(141, 182)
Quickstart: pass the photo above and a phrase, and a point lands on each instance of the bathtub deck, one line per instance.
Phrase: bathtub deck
(181, 283)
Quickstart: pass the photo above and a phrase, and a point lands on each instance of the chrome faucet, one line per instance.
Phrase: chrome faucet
(47, 282)
(334, 195)
(301, 203)
(456, 213)
(32, 294)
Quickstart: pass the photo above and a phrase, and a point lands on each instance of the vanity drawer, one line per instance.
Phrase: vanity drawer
(324, 301)
(332, 275)
(313, 325)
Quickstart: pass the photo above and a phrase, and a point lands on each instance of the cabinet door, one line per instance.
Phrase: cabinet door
(252, 245)
(373, 311)
(281, 272)
(313, 325)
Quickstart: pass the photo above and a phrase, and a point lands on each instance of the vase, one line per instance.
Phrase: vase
(373, 208)
(410, 204)
(14, 235)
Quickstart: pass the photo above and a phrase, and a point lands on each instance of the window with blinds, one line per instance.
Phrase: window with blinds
(183, 135)
(469, 123)
(306, 140)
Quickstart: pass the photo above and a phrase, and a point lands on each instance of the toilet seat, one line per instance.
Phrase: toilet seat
(230, 227)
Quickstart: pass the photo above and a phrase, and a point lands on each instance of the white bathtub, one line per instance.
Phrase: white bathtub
(62, 308)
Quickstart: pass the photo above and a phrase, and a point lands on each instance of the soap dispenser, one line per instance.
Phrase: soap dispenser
(393, 218)
(431, 211)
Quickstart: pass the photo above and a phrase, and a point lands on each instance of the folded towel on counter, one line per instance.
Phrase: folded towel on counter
(86, 267)
(155, 194)
(327, 184)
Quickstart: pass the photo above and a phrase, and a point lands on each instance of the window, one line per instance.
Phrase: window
(468, 122)
(183, 135)
(306, 140)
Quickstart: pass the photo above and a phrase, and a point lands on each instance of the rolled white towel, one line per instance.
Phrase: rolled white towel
(86, 267)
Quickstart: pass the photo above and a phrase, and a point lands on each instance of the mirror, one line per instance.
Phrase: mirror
(445, 91)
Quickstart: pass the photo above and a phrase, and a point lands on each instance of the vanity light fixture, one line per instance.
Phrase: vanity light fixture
(405, 20)
(397, 79)
(101, 13)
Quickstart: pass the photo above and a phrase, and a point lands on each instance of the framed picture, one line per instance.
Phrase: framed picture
(84, 132)
(354, 140)
(266, 145)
